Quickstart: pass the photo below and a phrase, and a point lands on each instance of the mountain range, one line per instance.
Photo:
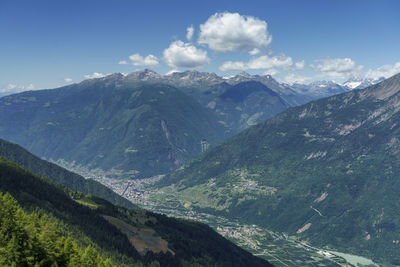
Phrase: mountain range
(326, 172)
(295, 94)
(105, 124)
(144, 124)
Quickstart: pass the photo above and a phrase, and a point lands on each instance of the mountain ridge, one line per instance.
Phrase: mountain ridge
(58, 174)
(144, 124)
(135, 131)
(325, 172)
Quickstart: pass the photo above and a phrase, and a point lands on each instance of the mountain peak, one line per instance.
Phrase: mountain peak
(322, 83)
(359, 83)
(144, 75)
(115, 76)
(244, 74)
(149, 72)
(194, 74)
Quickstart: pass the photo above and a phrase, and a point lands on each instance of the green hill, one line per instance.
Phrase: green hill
(59, 175)
(32, 239)
(326, 172)
(52, 214)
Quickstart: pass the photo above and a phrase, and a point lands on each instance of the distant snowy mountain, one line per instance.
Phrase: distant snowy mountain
(358, 83)
(195, 82)
(352, 84)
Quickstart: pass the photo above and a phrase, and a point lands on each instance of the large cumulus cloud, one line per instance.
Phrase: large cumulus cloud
(224, 32)
(185, 55)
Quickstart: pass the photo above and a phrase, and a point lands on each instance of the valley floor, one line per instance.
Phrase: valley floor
(278, 248)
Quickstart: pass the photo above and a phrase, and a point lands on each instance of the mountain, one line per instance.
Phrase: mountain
(144, 124)
(110, 126)
(358, 83)
(326, 172)
(59, 175)
(290, 94)
(244, 104)
(4, 94)
(257, 104)
(193, 82)
(19, 112)
(186, 79)
(197, 84)
(320, 89)
(59, 226)
(193, 79)
(266, 99)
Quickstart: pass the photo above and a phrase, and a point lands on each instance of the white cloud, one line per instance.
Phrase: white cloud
(171, 72)
(265, 62)
(385, 71)
(262, 62)
(67, 80)
(123, 62)
(254, 52)
(12, 88)
(185, 55)
(295, 78)
(189, 32)
(224, 32)
(337, 67)
(138, 60)
(300, 65)
(94, 75)
(271, 72)
(233, 65)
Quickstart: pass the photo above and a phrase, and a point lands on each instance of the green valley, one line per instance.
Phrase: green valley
(69, 228)
(199, 133)
(325, 172)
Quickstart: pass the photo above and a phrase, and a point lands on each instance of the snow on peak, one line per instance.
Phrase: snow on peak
(352, 85)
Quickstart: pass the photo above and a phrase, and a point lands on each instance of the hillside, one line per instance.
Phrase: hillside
(108, 126)
(240, 105)
(326, 172)
(59, 175)
(109, 234)
(32, 239)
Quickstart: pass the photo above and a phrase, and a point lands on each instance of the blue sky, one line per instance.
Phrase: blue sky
(46, 44)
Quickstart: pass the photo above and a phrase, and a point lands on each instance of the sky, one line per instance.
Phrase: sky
(48, 44)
